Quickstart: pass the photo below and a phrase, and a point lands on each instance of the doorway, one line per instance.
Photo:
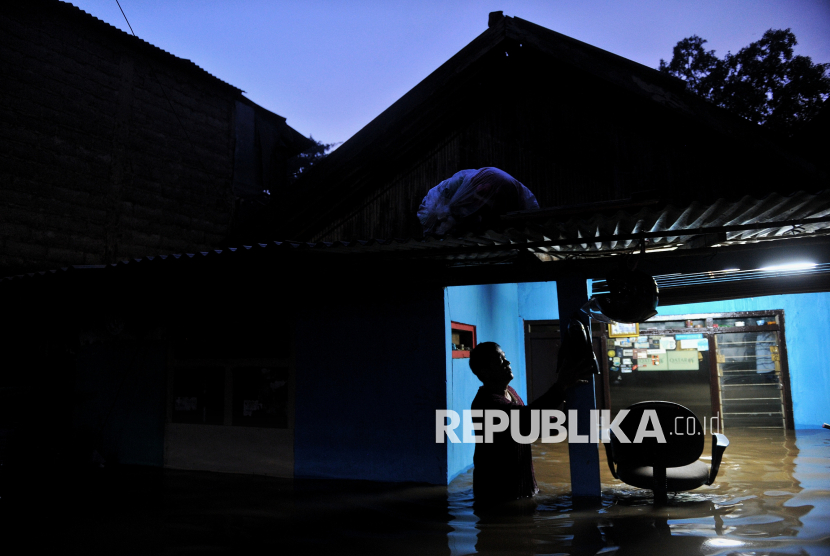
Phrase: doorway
(542, 342)
(730, 366)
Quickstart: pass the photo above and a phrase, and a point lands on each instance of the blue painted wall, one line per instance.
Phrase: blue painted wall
(808, 345)
(498, 311)
(493, 309)
(538, 301)
(370, 369)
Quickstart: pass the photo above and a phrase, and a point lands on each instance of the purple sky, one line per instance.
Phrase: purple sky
(331, 66)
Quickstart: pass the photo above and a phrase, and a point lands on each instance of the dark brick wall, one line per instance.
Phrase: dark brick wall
(109, 148)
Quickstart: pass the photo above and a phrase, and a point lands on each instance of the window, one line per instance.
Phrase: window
(236, 376)
(198, 395)
(463, 339)
(260, 396)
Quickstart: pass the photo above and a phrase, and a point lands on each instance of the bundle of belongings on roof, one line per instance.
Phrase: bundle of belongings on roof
(472, 201)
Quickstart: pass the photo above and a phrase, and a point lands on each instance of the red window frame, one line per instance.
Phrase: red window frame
(457, 353)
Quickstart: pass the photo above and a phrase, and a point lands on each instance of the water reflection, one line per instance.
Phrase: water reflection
(772, 497)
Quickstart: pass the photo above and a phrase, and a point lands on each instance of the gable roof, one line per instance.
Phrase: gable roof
(336, 180)
(74, 15)
(81, 20)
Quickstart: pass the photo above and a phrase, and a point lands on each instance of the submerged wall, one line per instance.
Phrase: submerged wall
(498, 311)
(370, 373)
(373, 367)
(120, 395)
(808, 346)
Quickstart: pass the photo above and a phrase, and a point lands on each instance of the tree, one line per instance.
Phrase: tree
(764, 82)
(702, 71)
(300, 164)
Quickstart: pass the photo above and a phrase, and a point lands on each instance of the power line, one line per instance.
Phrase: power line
(125, 18)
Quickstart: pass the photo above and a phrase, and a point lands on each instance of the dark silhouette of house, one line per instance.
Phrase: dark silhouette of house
(113, 148)
(576, 124)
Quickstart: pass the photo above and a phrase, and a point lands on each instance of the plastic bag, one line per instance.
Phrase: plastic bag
(472, 201)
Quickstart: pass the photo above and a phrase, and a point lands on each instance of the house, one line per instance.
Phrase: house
(612, 149)
(329, 357)
(574, 123)
(114, 149)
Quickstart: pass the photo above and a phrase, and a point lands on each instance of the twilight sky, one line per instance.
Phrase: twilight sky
(331, 66)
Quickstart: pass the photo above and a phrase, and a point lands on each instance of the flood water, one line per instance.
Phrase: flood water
(772, 496)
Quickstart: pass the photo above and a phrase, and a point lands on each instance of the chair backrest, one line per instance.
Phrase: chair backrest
(681, 430)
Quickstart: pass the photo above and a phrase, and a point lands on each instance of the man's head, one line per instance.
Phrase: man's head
(489, 364)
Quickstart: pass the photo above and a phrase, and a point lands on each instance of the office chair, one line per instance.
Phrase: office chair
(662, 467)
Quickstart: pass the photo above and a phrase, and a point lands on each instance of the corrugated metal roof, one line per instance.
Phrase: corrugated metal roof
(70, 10)
(552, 236)
(723, 222)
(728, 276)
(737, 275)
(562, 235)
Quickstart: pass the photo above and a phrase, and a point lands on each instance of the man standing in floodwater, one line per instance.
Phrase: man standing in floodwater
(503, 469)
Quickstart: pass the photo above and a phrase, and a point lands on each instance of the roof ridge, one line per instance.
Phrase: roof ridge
(74, 11)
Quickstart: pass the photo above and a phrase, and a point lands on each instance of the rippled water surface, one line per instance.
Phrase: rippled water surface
(772, 497)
